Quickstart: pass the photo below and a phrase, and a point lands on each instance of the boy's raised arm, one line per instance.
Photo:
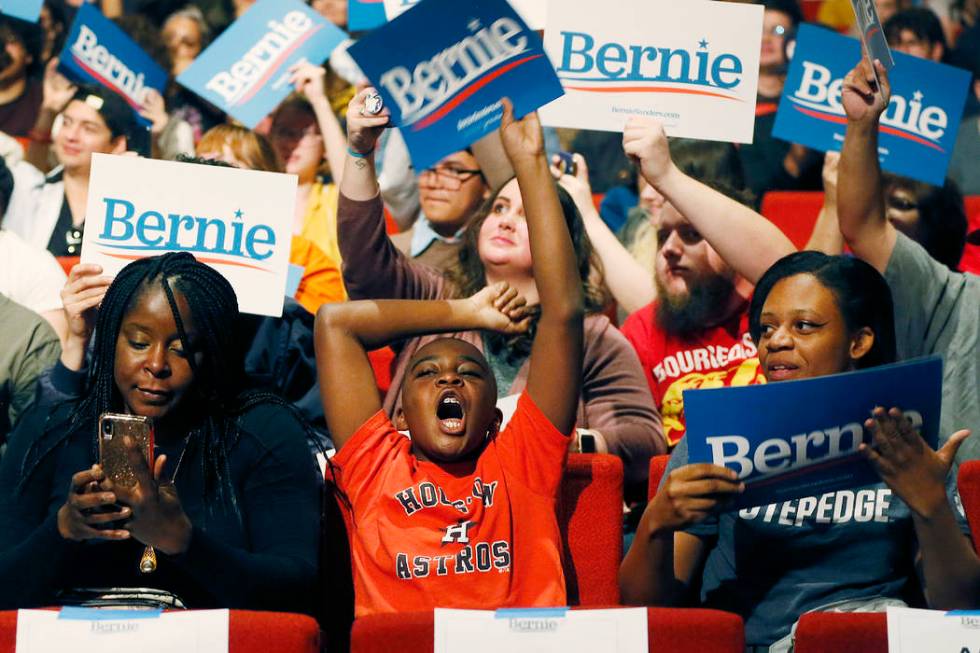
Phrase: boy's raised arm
(346, 331)
(555, 376)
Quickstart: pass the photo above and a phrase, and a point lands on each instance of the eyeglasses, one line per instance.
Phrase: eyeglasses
(777, 30)
(451, 176)
(688, 235)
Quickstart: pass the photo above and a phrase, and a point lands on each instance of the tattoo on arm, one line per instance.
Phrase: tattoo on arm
(360, 163)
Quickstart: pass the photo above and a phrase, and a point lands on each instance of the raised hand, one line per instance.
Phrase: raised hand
(310, 80)
(89, 507)
(57, 91)
(645, 142)
(915, 472)
(861, 98)
(81, 296)
(689, 494)
(499, 307)
(158, 519)
(830, 162)
(154, 109)
(577, 185)
(522, 139)
(363, 128)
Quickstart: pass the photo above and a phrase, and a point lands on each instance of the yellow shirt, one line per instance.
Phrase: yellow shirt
(320, 222)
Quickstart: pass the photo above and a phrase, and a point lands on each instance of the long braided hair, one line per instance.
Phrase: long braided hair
(218, 397)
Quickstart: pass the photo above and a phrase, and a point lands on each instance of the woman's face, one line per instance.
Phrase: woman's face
(83, 132)
(902, 210)
(503, 241)
(183, 38)
(803, 334)
(152, 372)
(297, 139)
(775, 26)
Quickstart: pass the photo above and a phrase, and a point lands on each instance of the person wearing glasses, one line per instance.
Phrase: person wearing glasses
(449, 193)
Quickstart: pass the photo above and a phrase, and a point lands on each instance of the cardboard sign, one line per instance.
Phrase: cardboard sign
(90, 630)
(801, 438)
(444, 90)
(365, 14)
(529, 630)
(913, 631)
(98, 52)
(237, 221)
(694, 65)
(245, 71)
(29, 10)
(533, 12)
(918, 129)
(872, 35)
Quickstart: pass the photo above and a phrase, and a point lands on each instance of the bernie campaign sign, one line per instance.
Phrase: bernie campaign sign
(918, 129)
(800, 438)
(237, 221)
(444, 91)
(98, 52)
(29, 10)
(365, 14)
(245, 71)
(694, 65)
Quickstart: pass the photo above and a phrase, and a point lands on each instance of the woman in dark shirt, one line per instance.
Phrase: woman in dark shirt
(236, 522)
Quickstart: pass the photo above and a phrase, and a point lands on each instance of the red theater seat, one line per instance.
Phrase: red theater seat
(669, 630)
(590, 515)
(968, 483)
(842, 632)
(658, 464)
(971, 254)
(248, 632)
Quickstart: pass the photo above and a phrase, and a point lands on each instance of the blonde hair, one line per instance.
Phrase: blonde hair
(252, 150)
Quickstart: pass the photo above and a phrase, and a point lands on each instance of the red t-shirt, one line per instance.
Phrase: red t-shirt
(714, 358)
(481, 534)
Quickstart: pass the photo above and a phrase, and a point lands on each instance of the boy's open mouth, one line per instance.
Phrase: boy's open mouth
(450, 413)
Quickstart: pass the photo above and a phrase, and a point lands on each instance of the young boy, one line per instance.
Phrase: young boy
(460, 515)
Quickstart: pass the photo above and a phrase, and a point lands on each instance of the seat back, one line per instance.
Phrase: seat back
(968, 483)
(590, 516)
(842, 632)
(658, 464)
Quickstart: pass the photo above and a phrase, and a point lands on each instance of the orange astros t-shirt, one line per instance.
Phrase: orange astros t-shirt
(481, 534)
(713, 358)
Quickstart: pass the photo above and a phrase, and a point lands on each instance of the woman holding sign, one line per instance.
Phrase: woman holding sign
(226, 511)
(811, 315)
(615, 405)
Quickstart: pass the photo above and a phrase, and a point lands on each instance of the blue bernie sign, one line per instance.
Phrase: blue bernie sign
(800, 438)
(98, 52)
(444, 90)
(245, 71)
(365, 14)
(29, 10)
(918, 129)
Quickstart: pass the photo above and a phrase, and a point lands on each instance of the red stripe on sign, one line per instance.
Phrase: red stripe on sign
(108, 84)
(650, 89)
(274, 68)
(468, 91)
(829, 117)
(202, 259)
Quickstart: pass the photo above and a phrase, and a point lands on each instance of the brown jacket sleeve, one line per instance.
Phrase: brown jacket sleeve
(373, 268)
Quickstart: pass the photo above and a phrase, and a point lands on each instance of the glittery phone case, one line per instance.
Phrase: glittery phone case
(113, 427)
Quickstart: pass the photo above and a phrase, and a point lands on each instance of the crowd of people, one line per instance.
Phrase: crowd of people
(458, 330)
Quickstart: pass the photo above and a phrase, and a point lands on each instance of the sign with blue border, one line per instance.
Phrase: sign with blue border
(918, 129)
(245, 71)
(444, 90)
(800, 438)
(365, 14)
(98, 52)
(29, 10)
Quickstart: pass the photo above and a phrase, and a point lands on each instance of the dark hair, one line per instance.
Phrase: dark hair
(922, 22)
(469, 277)
(116, 113)
(218, 396)
(6, 185)
(789, 7)
(146, 35)
(29, 35)
(862, 296)
(942, 223)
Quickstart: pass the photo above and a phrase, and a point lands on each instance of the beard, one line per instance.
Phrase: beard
(704, 305)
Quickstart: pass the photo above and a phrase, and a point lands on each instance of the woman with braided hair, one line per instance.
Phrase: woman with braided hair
(231, 503)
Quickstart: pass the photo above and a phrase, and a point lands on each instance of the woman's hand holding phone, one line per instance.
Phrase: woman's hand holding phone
(158, 520)
(89, 508)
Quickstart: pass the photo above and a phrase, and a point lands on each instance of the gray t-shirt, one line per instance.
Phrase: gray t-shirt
(772, 563)
(938, 312)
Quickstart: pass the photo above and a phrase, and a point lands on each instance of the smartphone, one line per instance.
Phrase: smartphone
(566, 163)
(113, 427)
